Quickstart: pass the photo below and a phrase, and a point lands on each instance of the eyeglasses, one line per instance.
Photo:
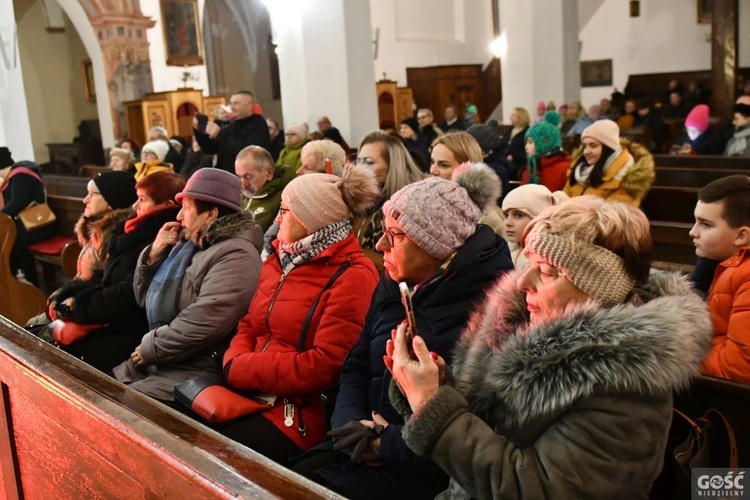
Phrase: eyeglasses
(247, 177)
(390, 234)
(283, 211)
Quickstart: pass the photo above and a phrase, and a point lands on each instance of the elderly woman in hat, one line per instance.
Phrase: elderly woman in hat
(152, 159)
(610, 167)
(121, 159)
(195, 282)
(562, 383)
(433, 242)
(296, 138)
(106, 299)
(276, 351)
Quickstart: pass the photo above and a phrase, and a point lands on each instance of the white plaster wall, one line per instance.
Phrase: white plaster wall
(170, 77)
(666, 37)
(403, 36)
(15, 132)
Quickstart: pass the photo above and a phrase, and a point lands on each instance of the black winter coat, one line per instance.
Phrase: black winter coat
(108, 297)
(516, 147)
(250, 131)
(442, 308)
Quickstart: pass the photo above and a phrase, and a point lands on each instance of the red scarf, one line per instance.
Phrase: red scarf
(133, 223)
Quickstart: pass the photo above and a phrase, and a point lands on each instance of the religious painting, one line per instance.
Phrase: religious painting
(88, 80)
(596, 73)
(704, 11)
(182, 36)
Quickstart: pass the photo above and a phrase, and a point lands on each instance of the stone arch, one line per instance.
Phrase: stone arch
(79, 18)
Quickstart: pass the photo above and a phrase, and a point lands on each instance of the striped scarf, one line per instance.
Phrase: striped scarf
(298, 252)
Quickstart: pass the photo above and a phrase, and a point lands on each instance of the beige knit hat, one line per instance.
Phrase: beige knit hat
(300, 129)
(318, 200)
(605, 131)
(122, 153)
(531, 199)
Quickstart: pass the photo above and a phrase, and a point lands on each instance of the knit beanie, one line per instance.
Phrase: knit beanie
(545, 134)
(214, 185)
(440, 215)
(117, 188)
(698, 118)
(605, 131)
(319, 200)
(160, 148)
(298, 128)
(6, 159)
(486, 136)
(412, 123)
(531, 199)
(121, 153)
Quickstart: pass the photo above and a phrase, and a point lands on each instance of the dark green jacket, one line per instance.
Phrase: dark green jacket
(265, 204)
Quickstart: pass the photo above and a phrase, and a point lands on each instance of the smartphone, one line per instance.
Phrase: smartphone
(202, 122)
(409, 309)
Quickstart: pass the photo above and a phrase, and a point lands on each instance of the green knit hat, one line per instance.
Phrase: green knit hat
(545, 134)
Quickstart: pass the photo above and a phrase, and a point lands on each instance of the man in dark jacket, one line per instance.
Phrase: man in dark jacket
(248, 129)
(330, 132)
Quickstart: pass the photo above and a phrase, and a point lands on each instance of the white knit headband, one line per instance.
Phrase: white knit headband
(598, 272)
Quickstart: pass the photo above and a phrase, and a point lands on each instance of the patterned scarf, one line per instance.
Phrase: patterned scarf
(161, 297)
(299, 252)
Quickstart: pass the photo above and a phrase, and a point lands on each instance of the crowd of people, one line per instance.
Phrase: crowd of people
(541, 352)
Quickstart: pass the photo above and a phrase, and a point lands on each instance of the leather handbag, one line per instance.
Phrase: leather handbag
(211, 400)
(711, 443)
(67, 332)
(37, 216)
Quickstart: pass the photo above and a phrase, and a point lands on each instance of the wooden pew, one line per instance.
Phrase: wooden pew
(69, 431)
(18, 301)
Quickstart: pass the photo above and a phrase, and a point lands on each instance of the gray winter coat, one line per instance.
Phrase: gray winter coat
(579, 407)
(214, 294)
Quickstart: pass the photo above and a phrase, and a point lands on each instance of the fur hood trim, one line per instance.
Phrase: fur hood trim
(230, 226)
(639, 177)
(513, 372)
(103, 224)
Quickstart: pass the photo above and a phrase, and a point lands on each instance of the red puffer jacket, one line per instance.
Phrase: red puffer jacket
(552, 170)
(263, 355)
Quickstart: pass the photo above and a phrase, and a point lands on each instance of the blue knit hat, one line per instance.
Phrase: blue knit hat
(546, 137)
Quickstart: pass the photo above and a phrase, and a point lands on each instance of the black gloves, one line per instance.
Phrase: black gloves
(353, 439)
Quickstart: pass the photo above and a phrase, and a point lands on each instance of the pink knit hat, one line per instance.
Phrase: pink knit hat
(605, 131)
(698, 118)
(213, 185)
(440, 215)
(318, 200)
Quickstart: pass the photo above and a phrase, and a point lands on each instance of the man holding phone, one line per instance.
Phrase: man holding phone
(248, 129)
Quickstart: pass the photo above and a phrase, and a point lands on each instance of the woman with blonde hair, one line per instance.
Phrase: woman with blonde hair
(562, 382)
(394, 168)
(514, 142)
(454, 149)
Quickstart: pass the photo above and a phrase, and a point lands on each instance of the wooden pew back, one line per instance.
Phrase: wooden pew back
(18, 301)
(71, 432)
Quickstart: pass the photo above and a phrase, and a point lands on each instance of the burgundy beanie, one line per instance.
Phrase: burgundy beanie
(698, 118)
(214, 186)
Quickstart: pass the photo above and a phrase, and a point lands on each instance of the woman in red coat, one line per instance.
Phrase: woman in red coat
(316, 257)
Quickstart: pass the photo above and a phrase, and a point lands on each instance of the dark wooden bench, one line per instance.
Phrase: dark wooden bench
(69, 431)
(18, 301)
(694, 177)
(705, 162)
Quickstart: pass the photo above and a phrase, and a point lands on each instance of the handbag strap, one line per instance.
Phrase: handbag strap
(733, 461)
(27, 171)
(306, 325)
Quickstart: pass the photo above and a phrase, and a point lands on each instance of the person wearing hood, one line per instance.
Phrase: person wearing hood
(296, 138)
(698, 138)
(431, 241)
(21, 184)
(493, 153)
(561, 385)
(107, 297)
(547, 163)
(152, 159)
(610, 167)
(739, 144)
(415, 142)
(314, 244)
(195, 282)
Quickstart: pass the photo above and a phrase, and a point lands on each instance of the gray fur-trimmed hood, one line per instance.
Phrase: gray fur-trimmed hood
(512, 372)
(236, 225)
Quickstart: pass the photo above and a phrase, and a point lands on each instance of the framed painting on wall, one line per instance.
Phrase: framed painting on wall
(183, 44)
(596, 73)
(704, 11)
(88, 80)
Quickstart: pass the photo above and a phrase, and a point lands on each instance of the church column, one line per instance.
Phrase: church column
(539, 53)
(15, 132)
(326, 63)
